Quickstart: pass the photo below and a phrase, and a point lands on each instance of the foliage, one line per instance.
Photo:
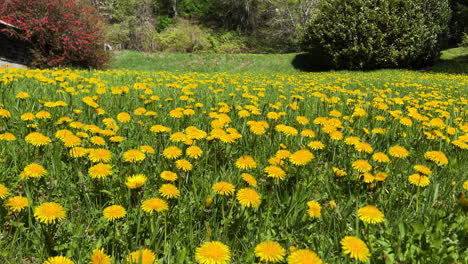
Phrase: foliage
(464, 42)
(268, 126)
(361, 34)
(182, 37)
(62, 33)
(458, 25)
(228, 42)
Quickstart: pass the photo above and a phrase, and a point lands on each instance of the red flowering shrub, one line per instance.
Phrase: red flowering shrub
(61, 32)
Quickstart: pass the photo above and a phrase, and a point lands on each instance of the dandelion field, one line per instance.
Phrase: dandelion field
(157, 167)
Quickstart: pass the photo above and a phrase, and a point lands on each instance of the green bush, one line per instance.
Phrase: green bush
(228, 42)
(464, 43)
(182, 37)
(370, 34)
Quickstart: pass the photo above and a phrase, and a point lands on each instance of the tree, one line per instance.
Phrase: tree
(369, 34)
(61, 32)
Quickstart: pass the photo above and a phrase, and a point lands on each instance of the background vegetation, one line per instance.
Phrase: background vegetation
(379, 35)
(62, 33)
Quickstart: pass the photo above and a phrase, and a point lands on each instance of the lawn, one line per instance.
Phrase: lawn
(451, 61)
(247, 160)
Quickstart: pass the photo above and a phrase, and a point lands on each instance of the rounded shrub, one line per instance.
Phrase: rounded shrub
(370, 34)
(61, 32)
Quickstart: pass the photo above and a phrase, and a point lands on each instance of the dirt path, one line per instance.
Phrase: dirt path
(6, 64)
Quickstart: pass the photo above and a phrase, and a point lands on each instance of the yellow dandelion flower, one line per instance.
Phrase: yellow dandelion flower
(147, 149)
(160, 129)
(71, 141)
(99, 155)
(339, 172)
(308, 133)
(27, 116)
(362, 166)
(98, 256)
(50, 212)
(184, 165)
(283, 154)
(22, 95)
(355, 248)
(124, 117)
(352, 140)
(423, 169)
(116, 139)
(304, 256)
(301, 157)
(114, 212)
(465, 185)
(100, 171)
(363, 147)
(78, 152)
(314, 209)
(98, 141)
(136, 181)
(17, 203)
(37, 139)
(275, 161)
(275, 172)
(270, 251)
(133, 156)
(3, 191)
(224, 188)
(178, 137)
(169, 191)
(257, 129)
(245, 163)
(154, 205)
(287, 130)
(249, 179)
(406, 121)
(43, 115)
(143, 256)
(172, 152)
(368, 177)
(381, 176)
(316, 145)
(336, 135)
(381, 157)
(437, 157)
(302, 120)
(7, 136)
(58, 260)
(62, 133)
(168, 176)
(33, 170)
(398, 152)
(419, 180)
(194, 152)
(248, 197)
(5, 113)
(213, 252)
(379, 131)
(370, 214)
(460, 143)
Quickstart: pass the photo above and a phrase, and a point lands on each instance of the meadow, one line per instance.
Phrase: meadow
(173, 167)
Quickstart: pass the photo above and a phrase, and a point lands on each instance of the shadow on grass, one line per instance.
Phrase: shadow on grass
(313, 61)
(456, 65)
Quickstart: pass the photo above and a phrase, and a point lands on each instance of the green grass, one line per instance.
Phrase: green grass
(422, 224)
(193, 62)
(451, 61)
